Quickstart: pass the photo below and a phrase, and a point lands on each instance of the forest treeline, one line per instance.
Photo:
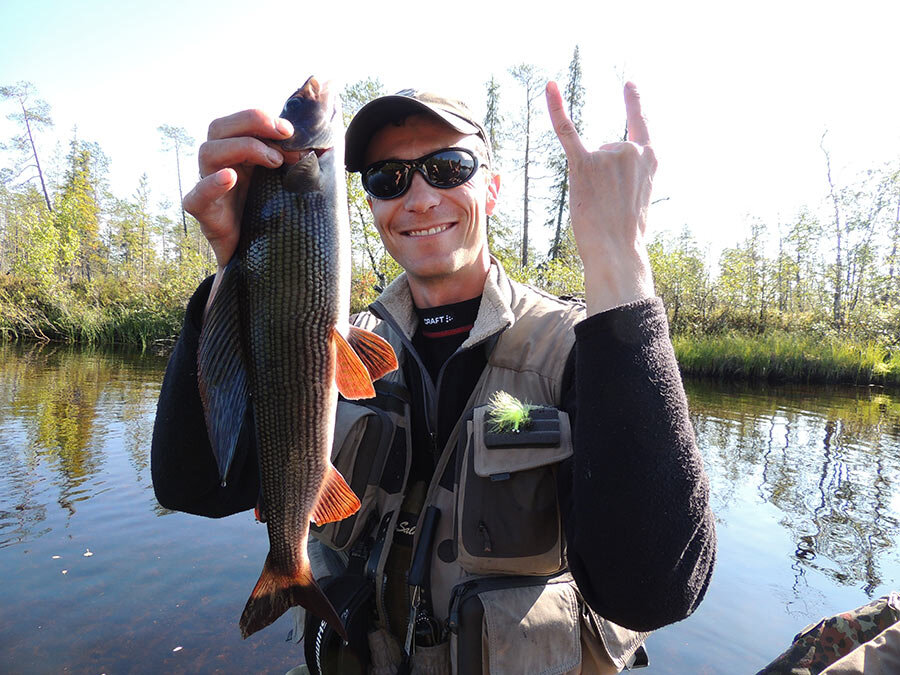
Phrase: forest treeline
(79, 263)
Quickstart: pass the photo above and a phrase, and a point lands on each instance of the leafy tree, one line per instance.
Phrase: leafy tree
(802, 243)
(132, 226)
(502, 240)
(682, 280)
(31, 243)
(744, 279)
(373, 268)
(79, 208)
(890, 287)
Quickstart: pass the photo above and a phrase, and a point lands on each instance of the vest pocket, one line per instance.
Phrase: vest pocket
(516, 625)
(536, 624)
(507, 517)
(362, 439)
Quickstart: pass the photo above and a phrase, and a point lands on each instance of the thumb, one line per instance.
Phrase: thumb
(562, 125)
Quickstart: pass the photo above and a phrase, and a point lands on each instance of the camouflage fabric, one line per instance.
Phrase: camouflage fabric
(818, 646)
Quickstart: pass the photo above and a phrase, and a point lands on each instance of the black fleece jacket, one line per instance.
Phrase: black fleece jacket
(634, 496)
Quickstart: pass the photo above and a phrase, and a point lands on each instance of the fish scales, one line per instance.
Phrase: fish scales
(291, 244)
(274, 341)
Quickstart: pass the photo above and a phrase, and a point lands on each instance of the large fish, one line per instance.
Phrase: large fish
(276, 347)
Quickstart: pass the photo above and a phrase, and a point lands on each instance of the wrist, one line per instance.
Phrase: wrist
(615, 281)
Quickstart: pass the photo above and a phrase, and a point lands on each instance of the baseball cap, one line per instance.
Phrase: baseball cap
(384, 109)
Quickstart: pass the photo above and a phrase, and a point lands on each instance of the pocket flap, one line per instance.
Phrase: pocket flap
(532, 629)
(550, 442)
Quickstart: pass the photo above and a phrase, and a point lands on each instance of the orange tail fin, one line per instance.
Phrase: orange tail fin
(275, 593)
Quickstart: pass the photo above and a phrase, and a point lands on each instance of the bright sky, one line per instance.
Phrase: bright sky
(737, 95)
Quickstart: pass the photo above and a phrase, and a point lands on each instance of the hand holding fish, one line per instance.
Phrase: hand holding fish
(609, 196)
(234, 145)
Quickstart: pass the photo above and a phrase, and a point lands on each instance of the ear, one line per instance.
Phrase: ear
(369, 202)
(493, 192)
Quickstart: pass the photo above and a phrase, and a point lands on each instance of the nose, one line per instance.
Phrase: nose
(421, 196)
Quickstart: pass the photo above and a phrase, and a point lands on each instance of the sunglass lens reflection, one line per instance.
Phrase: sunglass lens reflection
(449, 169)
(388, 180)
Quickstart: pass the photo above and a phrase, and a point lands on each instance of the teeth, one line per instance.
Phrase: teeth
(433, 230)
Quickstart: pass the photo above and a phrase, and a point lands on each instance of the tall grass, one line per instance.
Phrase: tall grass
(103, 313)
(787, 357)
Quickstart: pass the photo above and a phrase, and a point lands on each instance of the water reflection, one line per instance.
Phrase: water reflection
(804, 483)
(826, 458)
(57, 406)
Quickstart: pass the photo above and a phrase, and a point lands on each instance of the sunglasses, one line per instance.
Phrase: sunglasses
(445, 169)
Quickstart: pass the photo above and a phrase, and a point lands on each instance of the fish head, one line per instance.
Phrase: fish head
(312, 110)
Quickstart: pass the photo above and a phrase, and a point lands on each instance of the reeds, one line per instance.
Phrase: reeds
(95, 316)
(788, 357)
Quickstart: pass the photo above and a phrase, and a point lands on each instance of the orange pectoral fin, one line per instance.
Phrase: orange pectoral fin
(376, 354)
(336, 501)
(353, 380)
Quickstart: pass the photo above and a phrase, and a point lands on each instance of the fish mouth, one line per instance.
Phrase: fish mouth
(293, 156)
(429, 231)
(300, 153)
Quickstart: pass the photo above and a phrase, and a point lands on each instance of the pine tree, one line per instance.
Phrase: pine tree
(34, 116)
(177, 139)
(493, 125)
(531, 80)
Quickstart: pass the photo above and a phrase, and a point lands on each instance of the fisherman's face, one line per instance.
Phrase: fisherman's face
(433, 233)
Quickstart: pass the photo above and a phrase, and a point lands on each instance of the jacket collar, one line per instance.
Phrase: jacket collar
(494, 314)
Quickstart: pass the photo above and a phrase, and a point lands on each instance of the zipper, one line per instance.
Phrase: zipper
(432, 389)
(430, 392)
(471, 587)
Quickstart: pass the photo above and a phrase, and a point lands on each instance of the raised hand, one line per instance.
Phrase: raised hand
(609, 193)
(234, 145)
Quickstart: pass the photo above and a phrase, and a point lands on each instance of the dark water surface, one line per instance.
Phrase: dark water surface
(98, 578)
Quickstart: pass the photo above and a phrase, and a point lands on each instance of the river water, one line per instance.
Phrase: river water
(98, 578)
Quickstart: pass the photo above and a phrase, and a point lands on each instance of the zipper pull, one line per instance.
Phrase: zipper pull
(432, 436)
(455, 597)
(485, 537)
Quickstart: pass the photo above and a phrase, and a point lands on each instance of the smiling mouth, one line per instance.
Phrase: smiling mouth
(424, 233)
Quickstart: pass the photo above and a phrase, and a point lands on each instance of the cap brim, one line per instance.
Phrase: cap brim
(375, 114)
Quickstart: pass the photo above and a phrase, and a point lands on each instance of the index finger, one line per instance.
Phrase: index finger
(637, 123)
(562, 125)
(249, 123)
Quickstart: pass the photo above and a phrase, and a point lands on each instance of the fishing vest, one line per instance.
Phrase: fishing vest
(498, 567)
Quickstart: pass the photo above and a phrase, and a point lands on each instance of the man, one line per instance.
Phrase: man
(623, 523)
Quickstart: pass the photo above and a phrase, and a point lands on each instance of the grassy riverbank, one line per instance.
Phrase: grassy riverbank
(103, 313)
(112, 313)
(787, 357)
